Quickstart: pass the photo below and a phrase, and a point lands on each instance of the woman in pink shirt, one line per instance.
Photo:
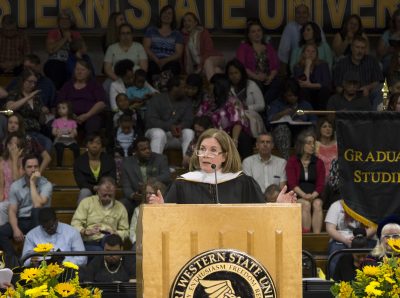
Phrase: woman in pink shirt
(260, 60)
(57, 45)
(326, 145)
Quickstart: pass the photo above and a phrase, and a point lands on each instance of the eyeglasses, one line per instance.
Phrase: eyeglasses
(203, 152)
(391, 236)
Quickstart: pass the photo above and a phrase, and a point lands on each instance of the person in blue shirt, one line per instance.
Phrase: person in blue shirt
(64, 238)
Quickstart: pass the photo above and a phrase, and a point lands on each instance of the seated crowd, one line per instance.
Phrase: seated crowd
(163, 93)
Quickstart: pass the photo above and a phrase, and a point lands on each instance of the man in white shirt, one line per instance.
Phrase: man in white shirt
(264, 167)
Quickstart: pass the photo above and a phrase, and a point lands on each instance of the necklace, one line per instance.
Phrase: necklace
(113, 271)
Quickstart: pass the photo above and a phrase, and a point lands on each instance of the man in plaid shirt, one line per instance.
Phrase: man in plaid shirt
(14, 45)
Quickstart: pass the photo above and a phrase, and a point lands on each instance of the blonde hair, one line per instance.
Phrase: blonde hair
(380, 248)
(232, 163)
(315, 62)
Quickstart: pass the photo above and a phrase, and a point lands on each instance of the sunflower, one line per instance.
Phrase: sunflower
(394, 244)
(10, 292)
(70, 265)
(37, 292)
(96, 293)
(84, 293)
(371, 270)
(43, 247)
(345, 289)
(53, 270)
(30, 274)
(371, 289)
(65, 289)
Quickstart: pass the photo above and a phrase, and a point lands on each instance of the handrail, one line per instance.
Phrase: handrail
(342, 252)
(78, 253)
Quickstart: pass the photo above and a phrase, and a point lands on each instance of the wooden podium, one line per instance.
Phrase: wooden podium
(170, 235)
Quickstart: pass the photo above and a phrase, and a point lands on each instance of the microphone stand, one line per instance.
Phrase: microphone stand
(214, 167)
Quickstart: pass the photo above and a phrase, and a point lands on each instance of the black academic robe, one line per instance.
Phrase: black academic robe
(242, 189)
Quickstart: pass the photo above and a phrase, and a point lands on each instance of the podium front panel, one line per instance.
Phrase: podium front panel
(170, 235)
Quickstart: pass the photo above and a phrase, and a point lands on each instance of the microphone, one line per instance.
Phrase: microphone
(214, 167)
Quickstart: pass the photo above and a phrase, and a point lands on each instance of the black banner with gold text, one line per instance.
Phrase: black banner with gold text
(369, 164)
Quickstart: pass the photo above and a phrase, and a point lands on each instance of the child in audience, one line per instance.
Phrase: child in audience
(194, 90)
(271, 193)
(65, 132)
(152, 186)
(139, 92)
(122, 101)
(125, 136)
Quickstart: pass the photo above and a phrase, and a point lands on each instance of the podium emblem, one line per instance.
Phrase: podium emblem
(223, 273)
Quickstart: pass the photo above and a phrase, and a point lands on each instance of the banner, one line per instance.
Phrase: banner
(221, 16)
(369, 159)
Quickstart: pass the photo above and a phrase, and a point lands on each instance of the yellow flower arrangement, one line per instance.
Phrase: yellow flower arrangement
(70, 265)
(65, 289)
(43, 247)
(45, 281)
(381, 281)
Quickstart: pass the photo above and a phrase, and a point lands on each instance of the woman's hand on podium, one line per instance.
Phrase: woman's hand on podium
(286, 197)
(156, 198)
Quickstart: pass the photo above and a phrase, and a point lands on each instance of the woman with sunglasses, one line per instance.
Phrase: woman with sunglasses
(216, 154)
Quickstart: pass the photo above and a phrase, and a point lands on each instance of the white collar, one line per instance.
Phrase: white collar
(203, 177)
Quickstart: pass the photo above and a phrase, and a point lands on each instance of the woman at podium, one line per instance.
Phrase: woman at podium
(216, 176)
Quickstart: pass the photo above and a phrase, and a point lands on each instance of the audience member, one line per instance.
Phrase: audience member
(14, 46)
(246, 90)
(388, 228)
(65, 132)
(264, 167)
(87, 98)
(326, 146)
(164, 45)
(92, 165)
(348, 264)
(389, 42)
(15, 124)
(199, 56)
(139, 93)
(271, 193)
(25, 100)
(138, 169)
(367, 67)
(200, 125)
(115, 20)
(125, 108)
(100, 215)
(27, 195)
(352, 26)
(311, 34)
(62, 236)
(152, 186)
(289, 124)
(169, 117)
(394, 102)
(314, 77)
(291, 35)
(194, 90)
(125, 48)
(57, 45)
(125, 136)
(10, 170)
(260, 60)
(306, 176)
(340, 226)
(110, 268)
(227, 113)
(393, 73)
(78, 51)
(349, 98)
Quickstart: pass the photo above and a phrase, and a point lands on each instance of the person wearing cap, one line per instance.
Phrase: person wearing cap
(367, 67)
(350, 98)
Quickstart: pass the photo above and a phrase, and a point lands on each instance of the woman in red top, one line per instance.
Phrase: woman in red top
(200, 56)
(57, 45)
(306, 177)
